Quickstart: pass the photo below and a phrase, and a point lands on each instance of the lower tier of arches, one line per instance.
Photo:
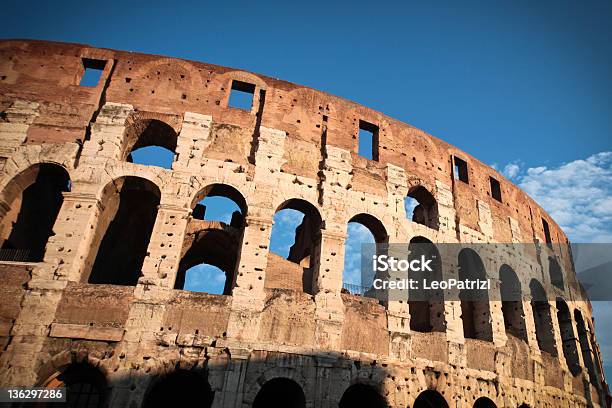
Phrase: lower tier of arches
(227, 374)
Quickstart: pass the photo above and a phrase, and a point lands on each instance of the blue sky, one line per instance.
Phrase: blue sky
(524, 86)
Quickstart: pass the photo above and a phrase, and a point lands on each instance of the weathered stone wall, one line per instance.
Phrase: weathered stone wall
(295, 143)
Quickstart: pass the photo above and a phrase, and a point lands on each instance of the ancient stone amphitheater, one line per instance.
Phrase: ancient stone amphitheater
(95, 248)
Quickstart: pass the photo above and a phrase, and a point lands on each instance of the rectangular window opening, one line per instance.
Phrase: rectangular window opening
(93, 72)
(368, 140)
(546, 232)
(241, 95)
(460, 170)
(495, 189)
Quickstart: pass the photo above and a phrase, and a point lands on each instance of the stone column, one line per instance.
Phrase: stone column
(452, 312)
(192, 141)
(327, 284)
(74, 229)
(498, 327)
(530, 325)
(398, 312)
(107, 132)
(248, 295)
(19, 361)
(161, 264)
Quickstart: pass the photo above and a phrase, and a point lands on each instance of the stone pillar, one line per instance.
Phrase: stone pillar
(74, 229)
(107, 132)
(161, 264)
(398, 313)
(19, 361)
(498, 327)
(327, 286)
(446, 208)
(452, 312)
(530, 325)
(327, 283)
(14, 129)
(192, 141)
(248, 295)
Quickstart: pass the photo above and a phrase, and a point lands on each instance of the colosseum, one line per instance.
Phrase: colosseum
(95, 248)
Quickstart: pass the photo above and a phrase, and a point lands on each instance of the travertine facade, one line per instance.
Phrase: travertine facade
(121, 315)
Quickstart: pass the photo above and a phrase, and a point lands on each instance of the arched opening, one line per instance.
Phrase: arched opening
(181, 388)
(585, 347)
(150, 142)
(556, 275)
(484, 402)
(426, 306)
(524, 406)
(542, 318)
(85, 386)
(126, 223)
(512, 305)
(430, 399)
(475, 312)
(362, 395)
(362, 229)
(421, 207)
(568, 337)
(295, 244)
(34, 198)
(211, 247)
(280, 393)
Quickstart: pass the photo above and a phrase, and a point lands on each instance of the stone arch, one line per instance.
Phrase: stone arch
(484, 402)
(85, 384)
(213, 243)
(296, 269)
(361, 394)
(568, 337)
(426, 307)
(29, 204)
(430, 399)
(280, 392)
(512, 302)
(475, 308)
(143, 133)
(555, 273)
(374, 225)
(542, 319)
(424, 206)
(188, 66)
(124, 230)
(253, 386)
(221, 190)
(181, 388)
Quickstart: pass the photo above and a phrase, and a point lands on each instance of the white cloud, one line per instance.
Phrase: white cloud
(577, 195)
(512, 170)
